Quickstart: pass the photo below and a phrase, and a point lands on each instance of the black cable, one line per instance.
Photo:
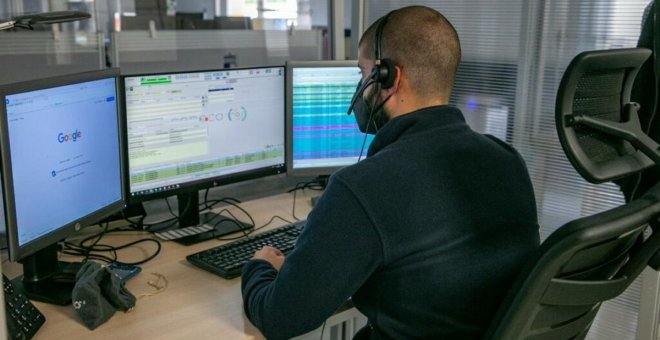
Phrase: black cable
(323, 329)
(293, 211)
(98, 236)
(372, 111)
(233, 219)
(169, 207)
(234, 202)
(255, 229)
(364, 142)
(228, 200)
(135, 225)
(295, 192)
(235, 205)
(224, 199)
(315, 184)
(272, 219)
(88, 251)
(371, 79)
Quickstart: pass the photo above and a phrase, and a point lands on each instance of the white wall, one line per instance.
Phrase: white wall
(320, 12)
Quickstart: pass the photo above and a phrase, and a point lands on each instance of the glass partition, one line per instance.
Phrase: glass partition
(141, 36)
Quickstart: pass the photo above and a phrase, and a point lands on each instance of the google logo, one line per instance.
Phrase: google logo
(74, 136)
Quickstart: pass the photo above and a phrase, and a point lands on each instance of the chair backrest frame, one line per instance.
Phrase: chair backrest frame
(591, 259)
(618, 67)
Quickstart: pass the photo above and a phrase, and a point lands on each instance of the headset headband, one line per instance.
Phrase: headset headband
(379, 37)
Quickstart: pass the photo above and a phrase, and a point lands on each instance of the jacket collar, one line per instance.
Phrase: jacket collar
(420, 120)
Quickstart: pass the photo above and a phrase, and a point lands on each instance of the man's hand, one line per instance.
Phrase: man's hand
(270, 254)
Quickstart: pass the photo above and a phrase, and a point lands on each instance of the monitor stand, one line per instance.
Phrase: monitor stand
(189, 216)
(46, 279)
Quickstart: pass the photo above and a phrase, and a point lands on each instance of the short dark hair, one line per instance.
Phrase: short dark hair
(423, 43)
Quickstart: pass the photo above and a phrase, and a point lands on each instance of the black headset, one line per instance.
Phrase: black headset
(383, 71)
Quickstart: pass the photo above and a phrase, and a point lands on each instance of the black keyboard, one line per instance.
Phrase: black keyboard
(227, 260)
(23, 319)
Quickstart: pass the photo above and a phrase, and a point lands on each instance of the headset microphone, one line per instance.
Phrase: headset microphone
(360, 90)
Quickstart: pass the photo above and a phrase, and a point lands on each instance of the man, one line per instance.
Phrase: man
(428, 232)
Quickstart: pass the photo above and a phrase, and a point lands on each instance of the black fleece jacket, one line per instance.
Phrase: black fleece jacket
(426, 235)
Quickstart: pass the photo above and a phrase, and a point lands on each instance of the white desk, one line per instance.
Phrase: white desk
(196, 304)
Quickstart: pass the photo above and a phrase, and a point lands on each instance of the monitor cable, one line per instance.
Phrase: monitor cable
(317, 184)
(90, 251)
(247, 234)
(233, 219)
(272, 219)
(231, 201)
(139, 225)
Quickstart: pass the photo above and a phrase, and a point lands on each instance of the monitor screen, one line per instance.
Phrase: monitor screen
(62, 158)
(321, 137)
(192, 130)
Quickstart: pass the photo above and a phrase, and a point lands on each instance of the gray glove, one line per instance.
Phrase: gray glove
(98, 294)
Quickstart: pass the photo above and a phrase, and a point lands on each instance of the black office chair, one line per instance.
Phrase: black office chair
(595, 258)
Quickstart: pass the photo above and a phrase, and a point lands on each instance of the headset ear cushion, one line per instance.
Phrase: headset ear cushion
(386, 73)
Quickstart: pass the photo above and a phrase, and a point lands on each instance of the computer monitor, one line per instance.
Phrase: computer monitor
(233, 23)
(142, 22)
(62, 170)
(188, 131)
(192, 21)
(321, 137)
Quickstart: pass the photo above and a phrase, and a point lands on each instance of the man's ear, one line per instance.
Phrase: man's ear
(397, 81)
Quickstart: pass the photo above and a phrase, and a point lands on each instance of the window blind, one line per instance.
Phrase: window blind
(514, 55)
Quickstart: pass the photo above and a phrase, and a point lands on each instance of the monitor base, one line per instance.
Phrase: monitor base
(56, 289)
(221, 226)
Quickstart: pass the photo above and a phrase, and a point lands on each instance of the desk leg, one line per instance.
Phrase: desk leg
(341, 326)
(649, 306)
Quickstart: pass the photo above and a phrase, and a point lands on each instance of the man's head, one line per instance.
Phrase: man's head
(425, 50)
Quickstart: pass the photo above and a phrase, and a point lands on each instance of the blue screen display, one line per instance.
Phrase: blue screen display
(65, 158)
(323, 135)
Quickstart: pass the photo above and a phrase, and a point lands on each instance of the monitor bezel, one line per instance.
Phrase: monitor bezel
(18, 252)
(290, 66)
(210, 182)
